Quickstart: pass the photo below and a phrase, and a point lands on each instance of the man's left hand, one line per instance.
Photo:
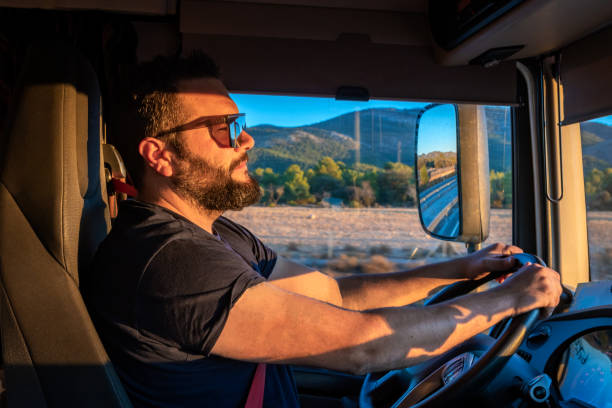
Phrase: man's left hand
(496, 257)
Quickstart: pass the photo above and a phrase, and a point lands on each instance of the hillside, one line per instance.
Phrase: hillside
(381, 132)
(596, 145)
(386, 134)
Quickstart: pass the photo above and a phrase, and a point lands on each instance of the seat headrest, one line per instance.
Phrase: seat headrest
(51, 159)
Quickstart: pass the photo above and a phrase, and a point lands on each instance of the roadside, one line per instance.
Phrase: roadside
(376, 240)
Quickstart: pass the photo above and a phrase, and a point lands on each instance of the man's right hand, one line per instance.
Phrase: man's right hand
(534, 286)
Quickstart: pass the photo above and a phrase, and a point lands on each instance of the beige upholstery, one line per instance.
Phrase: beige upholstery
(52, 217)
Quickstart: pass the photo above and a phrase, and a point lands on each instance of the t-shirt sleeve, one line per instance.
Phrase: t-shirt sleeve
(244, 240)
(266, 257)
(187, 290)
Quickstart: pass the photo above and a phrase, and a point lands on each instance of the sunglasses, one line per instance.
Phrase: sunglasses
(224, 129)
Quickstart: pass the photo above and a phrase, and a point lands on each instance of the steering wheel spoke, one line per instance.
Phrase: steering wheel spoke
(428, 385)
(440, 377)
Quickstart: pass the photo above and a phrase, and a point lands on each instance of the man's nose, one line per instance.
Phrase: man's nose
(245, 141)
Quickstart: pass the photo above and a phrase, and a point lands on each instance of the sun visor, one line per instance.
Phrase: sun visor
(320, 68)
(317, 51)
(586, 68)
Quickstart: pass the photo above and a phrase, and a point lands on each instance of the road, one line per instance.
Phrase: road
(440, 208)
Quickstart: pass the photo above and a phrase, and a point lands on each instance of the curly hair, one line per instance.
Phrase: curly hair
(148, 104)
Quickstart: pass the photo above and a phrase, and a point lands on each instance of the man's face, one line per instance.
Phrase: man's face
(212, 176)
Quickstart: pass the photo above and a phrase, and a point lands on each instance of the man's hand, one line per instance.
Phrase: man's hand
(496, 257)
(534, 286)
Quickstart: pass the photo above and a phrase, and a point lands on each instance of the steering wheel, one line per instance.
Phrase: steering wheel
(458, 370)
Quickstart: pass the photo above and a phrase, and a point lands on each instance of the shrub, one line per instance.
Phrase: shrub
(380, 250)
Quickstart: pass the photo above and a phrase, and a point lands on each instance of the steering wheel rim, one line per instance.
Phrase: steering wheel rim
(490, 362)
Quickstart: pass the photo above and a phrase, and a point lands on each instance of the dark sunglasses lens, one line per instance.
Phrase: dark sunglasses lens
(236, 128)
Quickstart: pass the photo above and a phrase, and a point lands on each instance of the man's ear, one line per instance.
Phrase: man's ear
(156, 155)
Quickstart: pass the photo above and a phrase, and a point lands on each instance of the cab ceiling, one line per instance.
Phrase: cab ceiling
(313, 47)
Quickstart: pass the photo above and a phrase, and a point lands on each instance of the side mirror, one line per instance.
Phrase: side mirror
(452, 171)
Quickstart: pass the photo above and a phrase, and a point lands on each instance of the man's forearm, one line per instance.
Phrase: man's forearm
(363, 292)
(391, 338)
(423, 332)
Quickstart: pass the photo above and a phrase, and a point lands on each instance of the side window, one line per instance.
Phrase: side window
(499, 130)
(338, 182)
(596, 138)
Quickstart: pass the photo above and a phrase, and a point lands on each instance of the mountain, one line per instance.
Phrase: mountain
(596, 145)
(600, 129)
(386, 134)
(278, 147)
(589, 138)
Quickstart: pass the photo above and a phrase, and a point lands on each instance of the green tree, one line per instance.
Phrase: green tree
(326, 177)
(328, 166)
(598, 189)
(371, 178)
(501, 189)
(423, 176)
(267, 176)
(270, 183)
(296, 187)
(350, 176)
(396, 185)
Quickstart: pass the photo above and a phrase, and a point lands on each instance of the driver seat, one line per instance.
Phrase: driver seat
(53, 215)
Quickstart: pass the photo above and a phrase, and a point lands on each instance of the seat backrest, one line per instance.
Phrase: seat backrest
(53, 215)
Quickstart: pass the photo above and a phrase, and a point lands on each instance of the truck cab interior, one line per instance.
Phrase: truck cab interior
(548, 63)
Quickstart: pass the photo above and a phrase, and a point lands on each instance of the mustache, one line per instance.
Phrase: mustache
(244, 157)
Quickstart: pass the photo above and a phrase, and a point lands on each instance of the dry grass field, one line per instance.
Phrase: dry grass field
(384, 239)
(599, 224)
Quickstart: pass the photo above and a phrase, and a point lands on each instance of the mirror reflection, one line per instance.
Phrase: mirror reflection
(437, 181)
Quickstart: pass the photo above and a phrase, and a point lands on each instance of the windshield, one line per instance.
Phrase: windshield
(339, 186)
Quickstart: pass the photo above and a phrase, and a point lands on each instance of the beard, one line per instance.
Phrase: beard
(212, 188)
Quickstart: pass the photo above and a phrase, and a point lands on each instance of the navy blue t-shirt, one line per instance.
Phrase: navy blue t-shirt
(160, 292)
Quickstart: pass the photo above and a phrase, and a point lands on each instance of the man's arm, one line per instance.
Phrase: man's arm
(301, 279)
(363, 292)
(269, 324)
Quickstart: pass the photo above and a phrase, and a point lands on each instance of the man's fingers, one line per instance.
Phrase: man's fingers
(536, 286)
(502, 249)
(511, 249)
(546, 312)
(502, 278)
(499, 263)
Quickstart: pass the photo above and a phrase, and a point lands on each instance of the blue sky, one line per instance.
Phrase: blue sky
(299, 110)
(438, 130)
(606, 120)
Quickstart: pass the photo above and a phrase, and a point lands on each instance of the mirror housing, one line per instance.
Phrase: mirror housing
(474, 171)
(473, 185)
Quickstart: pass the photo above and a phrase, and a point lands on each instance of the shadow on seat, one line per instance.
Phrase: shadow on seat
(53, 215)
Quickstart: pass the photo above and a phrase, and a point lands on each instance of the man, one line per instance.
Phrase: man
(187, 302)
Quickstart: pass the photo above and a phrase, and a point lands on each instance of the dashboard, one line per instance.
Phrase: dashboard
(573, 350)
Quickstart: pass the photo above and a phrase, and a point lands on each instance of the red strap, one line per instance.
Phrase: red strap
(122, 187)
(256, 393)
